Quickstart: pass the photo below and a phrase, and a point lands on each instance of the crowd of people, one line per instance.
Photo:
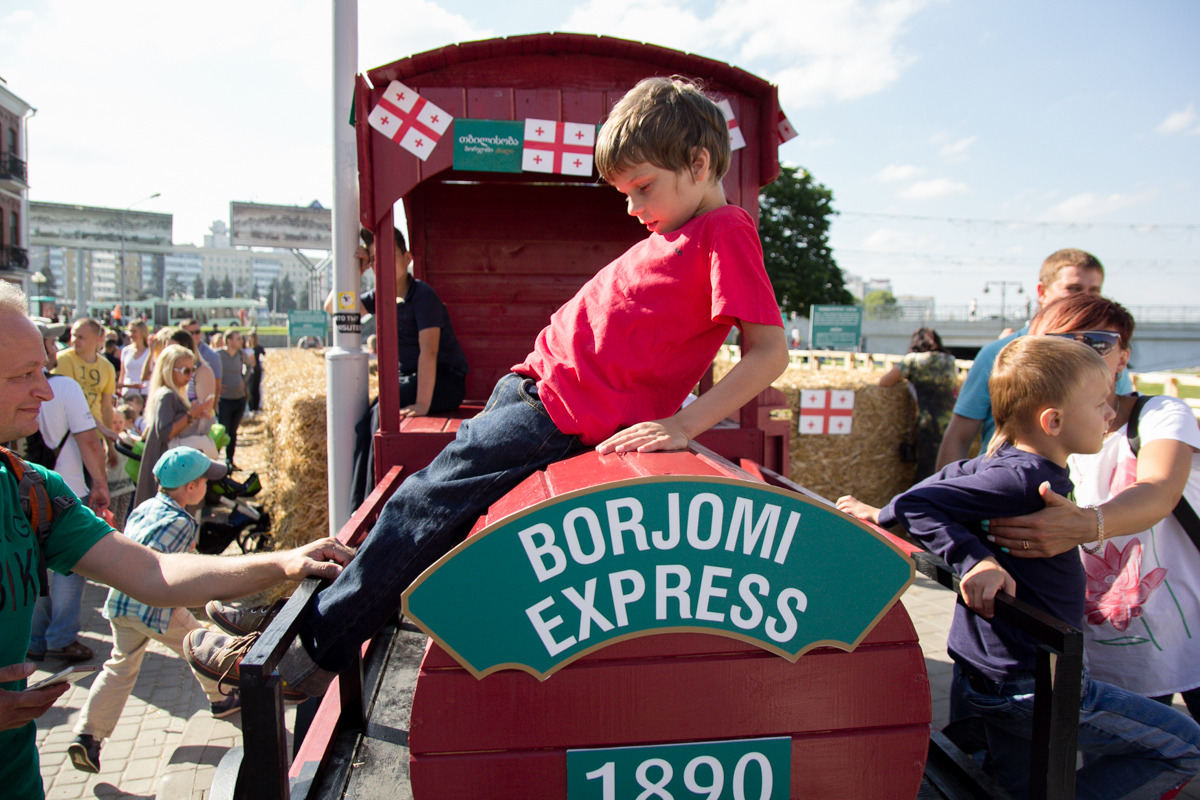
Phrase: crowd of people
(153, 392)
(1066, 432)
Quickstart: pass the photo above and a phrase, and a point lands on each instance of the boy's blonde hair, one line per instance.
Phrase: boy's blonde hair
(663, 121)
(1034, 372)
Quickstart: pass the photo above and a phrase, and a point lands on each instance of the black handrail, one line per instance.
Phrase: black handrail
(1058, 680)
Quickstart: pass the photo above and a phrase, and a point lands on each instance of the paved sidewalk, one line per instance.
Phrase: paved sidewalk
(167, 745)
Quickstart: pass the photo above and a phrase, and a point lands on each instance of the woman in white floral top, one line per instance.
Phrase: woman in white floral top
(1142, 628)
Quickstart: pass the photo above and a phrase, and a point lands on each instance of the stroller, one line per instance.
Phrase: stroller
(226, 515)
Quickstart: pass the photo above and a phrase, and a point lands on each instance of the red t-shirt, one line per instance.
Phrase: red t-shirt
(638, 336)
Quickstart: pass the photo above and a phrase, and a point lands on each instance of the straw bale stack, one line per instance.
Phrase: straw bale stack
(865, 462)
(296, 493)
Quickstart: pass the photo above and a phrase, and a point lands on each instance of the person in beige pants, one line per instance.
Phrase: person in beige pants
(164, 524)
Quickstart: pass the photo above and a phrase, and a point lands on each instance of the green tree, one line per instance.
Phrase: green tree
(227, 287)
(198, 288)
(794, 216)
(213, 290)
(285, 296)
(175, 287)
(880, 304)
(50, 287)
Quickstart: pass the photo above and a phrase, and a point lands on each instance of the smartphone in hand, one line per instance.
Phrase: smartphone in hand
(68, 675)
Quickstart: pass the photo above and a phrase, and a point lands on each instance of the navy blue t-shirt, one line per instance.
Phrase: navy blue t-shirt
(944, 513)
(421, 309)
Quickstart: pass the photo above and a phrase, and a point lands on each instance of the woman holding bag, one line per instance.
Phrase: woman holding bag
(171, 419)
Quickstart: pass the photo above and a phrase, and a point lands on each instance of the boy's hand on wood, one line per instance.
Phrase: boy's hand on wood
(646, 437)
(981, 583)
(858, 509)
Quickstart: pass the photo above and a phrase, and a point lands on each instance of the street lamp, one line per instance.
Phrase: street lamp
(1003, 294)
(123, 212)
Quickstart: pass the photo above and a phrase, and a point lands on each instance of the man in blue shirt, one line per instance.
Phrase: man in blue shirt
(1063, 273)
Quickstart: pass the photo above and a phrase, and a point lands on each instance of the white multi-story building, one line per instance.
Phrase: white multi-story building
(80, 249)
(14, 189)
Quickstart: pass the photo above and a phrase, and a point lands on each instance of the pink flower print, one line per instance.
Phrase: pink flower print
(1115, 589)
(1125, 474)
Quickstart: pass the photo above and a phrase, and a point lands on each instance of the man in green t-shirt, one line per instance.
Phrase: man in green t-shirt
(81, 542)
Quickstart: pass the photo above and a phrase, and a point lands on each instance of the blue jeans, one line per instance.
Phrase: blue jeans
(431, 512)
(1132, 746)
(56, 616)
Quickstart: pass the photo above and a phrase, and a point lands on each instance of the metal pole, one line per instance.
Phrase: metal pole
(346, 363)
(124, 211)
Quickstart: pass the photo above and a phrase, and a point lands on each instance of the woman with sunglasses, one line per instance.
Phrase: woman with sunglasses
(171, 419)
(1142, 629)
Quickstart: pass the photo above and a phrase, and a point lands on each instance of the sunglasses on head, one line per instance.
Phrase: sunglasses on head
(1101, 341)
(185, 370)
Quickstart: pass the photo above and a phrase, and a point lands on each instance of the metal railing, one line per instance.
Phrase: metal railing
(13, 257)
(12, 167)
(260, 769)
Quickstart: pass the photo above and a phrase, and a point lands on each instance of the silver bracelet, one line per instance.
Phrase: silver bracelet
(1099, 532)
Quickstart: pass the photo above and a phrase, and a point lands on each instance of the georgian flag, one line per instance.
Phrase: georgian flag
(786, 131)
(825, 411)
(562, 147)
(410, 120)
(736, 140)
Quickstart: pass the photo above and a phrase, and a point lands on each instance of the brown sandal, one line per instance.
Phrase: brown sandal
(72, 652)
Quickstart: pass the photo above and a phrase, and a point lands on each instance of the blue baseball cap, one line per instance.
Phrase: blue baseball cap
(182, 465)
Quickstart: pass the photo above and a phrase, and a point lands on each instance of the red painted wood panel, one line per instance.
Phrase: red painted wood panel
(589, 704)
(859, 721)
(824, 767)
(895, 628)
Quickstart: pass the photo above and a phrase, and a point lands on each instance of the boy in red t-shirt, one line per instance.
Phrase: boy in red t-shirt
(610, 371)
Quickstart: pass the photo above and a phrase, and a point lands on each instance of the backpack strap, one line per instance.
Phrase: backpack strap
(38, 506)
(1184, 513)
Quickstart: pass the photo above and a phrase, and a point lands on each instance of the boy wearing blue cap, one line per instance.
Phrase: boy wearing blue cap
(162, 523)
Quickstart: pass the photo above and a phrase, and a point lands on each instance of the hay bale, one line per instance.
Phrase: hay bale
(294, 405)
(866, 462)
(297, 493)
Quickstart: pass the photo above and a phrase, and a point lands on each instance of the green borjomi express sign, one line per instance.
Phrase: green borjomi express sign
(541, 588)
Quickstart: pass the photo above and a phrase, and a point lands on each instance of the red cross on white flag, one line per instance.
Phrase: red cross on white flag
(786, 131)
(562, 147)
(410, 120)
(825, 411)
(736, 140)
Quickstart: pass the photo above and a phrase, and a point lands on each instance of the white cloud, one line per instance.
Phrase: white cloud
(934, 189)
(1088, 206)
(957, 149)
(817, 51)
(897, 172)
(886, 240)
(1180, 121)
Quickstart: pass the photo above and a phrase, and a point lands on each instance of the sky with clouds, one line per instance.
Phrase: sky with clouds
(963, 140)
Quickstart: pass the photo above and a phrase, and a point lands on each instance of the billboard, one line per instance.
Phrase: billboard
(59, 221)
(296, 227)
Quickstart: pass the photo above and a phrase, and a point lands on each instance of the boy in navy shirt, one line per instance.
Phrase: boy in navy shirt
(1050, 399)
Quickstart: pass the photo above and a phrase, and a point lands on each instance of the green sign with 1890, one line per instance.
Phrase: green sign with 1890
(736, 769)
(567, 576)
